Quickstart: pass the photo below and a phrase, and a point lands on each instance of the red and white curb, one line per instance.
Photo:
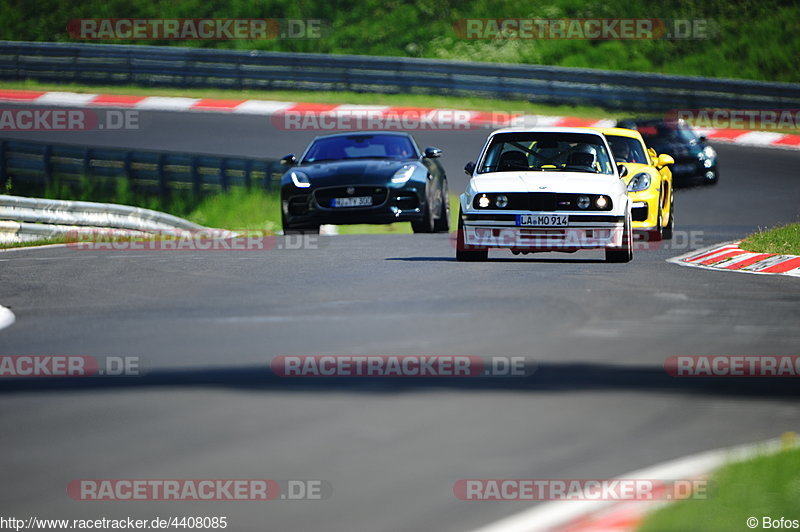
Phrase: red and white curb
(729, 257)
(268, 108)
(626, 516)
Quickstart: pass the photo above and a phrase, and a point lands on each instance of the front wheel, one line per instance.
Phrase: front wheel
(467, 253)
(668, 229)
(657, 234)
(427, 223)
(625, 253)
(311, 230)
(442, 224)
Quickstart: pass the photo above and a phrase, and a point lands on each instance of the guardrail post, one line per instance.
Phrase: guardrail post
(48, 167)
(127, 168)
(223, 174)
(265, 184)
(197, 183)
(248, 174)
(162, 178)
(87, 162)
(3, 175)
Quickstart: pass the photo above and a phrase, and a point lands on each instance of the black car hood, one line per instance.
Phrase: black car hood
(368, 171)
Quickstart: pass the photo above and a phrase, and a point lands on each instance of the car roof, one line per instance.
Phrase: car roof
(360, 133)
(651, 121)
(619, 132)
(581, 130)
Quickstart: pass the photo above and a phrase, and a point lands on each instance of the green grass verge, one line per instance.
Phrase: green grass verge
(764, 486)
(33, 243)
(783, 240)
(256, 210)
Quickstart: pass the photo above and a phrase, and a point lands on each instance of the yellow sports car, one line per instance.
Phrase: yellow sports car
(649, 181)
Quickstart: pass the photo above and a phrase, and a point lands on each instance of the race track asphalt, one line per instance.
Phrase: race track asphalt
(206, 325)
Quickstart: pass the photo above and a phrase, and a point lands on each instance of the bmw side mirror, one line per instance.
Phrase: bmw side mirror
(622, 169)
(432, 152)
(469, 168)
(290, 159)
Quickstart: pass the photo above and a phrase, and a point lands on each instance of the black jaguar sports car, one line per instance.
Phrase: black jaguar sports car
(364, 178)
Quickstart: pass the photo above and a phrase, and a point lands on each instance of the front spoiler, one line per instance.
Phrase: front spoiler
(545, 239)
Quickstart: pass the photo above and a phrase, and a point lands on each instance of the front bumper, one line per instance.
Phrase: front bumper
(692, 167)
(644, 212)
(583, 232)
(303, 208)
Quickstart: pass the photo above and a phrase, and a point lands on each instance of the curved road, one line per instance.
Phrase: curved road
(206, 324)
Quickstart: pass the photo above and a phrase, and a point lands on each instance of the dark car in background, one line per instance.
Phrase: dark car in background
(694, 158)
(365, 178)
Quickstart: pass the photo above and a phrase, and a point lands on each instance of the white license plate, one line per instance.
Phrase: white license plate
(542, 220)
(356, 201)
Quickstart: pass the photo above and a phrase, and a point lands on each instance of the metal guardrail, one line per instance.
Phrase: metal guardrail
(86, 213)
(196, 67)
(24, 219)
(150, 171)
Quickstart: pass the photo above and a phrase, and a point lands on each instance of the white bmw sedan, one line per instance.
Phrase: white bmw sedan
(545, 189)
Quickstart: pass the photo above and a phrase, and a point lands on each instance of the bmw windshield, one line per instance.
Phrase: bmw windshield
(546, 152)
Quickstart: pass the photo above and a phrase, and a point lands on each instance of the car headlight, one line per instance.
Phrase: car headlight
(300, 179)
(403, 175)
(601, 202)
(501, 201)
(483, 202)
(710, 152)
(583, 202)
(640, 181)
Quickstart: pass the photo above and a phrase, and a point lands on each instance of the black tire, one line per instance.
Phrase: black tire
(473, 254)
(312, 230)
(668, 230)
(442, 223)
(657, 234)
(624, 254)
(427, 223)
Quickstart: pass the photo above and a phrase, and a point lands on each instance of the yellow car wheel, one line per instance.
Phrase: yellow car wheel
(657, 234)
(667, 232)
